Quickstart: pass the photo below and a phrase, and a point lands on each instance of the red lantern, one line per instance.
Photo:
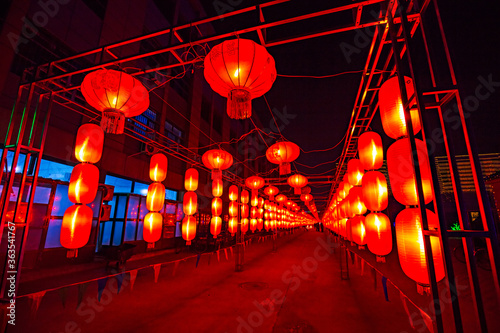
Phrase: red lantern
(156, 197)
(342, 193)
(191, 179)
(356, 203)
(233, 209)
(244, 210)
(216, 206)
(217, 187)
(271, 191)
(402, 175)
(217, 160)
(306, 197)
(392, 111)
(297, 182)
(152, 227)
(240, 70)
(358, 230)
(76, 226)
(375, 191)
(117, 95)
(244, 225)
(232, 225)
(260, 224)
(233, 192)
(244, 196)
(83, 183)
(253, 212)
(253, 225)
(215, 225)
(378, 234)
(283, 153)
(261, 202)
(281, 198)
(371, 153)
(355, 172)
(89, 142)
(255, 201)
(411, 248)
(158, 167)
(188, 227)
(190, 203)
(254, 183)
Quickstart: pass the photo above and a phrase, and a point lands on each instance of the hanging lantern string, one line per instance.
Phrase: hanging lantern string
(259, 132)
(272, 114)
(317, 165)
(327, 149)
(330, 75)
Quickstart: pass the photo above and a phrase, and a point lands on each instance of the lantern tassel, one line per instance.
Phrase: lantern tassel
(112, 121)
(239, 104)
(285, 168)
(216, 174)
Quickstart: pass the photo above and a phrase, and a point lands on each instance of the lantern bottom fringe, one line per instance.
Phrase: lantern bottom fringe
(285, 168)
(112, 121)
(423, 289)
(239, 104)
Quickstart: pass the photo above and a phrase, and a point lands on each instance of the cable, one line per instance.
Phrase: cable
(326, 76)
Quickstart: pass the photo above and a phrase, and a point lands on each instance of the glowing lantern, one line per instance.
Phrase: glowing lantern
(232, 225)
(355, 172)
(188, 228)
(152, 227)
(191, 179)
(215, 225)
(271, 191)
(401, 173)
(254, 183)
(392, 111)
(342, 193)
(117, 95)
(297, 182)
(260, 224)
(244, 225)
(76, 226)
(233, 192)
(374, 190)
(371, 153)
(306, 197)
(255, 201)
(240, 70)
(261, 202)
(411, 248)
(156, 197)
(233, 209)
(253, 225)
(356, 203)
(216, 206)
(281, 198)
(289, 203)
(283, 153)
(217, 187)
(378, 234)
(158, 167)
(83, 183)
(358, 230)
(253, 212)
(244, 210)
(244, 196)
(190, 203)
(89, 142)
(217, 160)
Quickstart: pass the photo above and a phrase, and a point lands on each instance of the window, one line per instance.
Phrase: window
(140, 188)
(170, 195)
(54, 170)
(173, 132)
(121, 185)
(148, 118)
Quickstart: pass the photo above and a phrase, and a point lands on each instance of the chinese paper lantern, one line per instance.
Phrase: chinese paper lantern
(233, 209)
(261, 202)
(401, 173)
(374, 190)
(240, 70)
(283, 153)
(191, 179)
(342, 193)
(356, 202)
(244, 210)
(254, 183)
(358, 230)
(392, 111)
(411, 250)
(83, 183)
(253, 225)
(378, 234)
(217, 187)
(117, 95)
(215, 225)
(233, 192)
(371, 153)
(76, 226)
(271, 191)
(188, 228)
(244, 225)
(244, 196)
(253, 212)
(216, 206)
(260, 224)
(190, 203)
(355, 172)
(217, 160)
(232, 225)
(297, 182)
(281, 198)
(158, 167)
(89, 142)
(156, 197)
(255, 201)
(151, 231)
(306, 197)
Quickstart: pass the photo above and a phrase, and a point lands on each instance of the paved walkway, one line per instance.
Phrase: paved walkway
(296, 289)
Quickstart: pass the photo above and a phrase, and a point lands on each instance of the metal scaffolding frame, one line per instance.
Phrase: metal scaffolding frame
(390, 52)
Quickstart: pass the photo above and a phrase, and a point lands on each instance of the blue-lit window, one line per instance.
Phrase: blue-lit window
(20, 161)
(170, 195)
(121, 185)
(173, 132)
(140, 188)
(54, 170)
(148, 118)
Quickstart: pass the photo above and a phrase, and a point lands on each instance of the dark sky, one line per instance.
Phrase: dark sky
(321, 108)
